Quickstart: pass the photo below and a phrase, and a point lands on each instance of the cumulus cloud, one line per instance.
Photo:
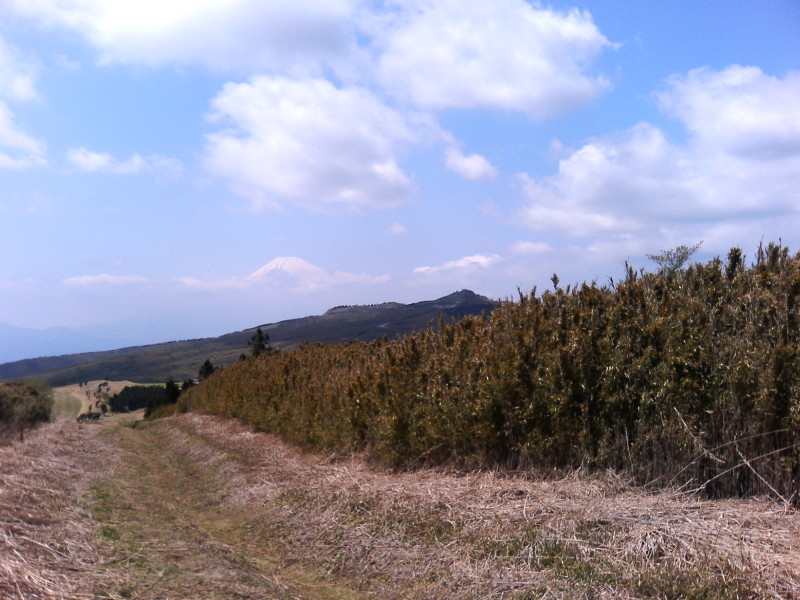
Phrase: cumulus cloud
(18, 150)
(739, 110)
(474, 166)
(468, 262)
(104, 279)
(94, 162)
(738, 162)
(17, 76)
(505, 54)
(308, 142)
(298, 36)
(87, 160)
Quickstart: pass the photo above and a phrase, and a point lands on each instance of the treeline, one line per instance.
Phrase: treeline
(22, 406)
(689, 376)
(149, 397)
(135, 397)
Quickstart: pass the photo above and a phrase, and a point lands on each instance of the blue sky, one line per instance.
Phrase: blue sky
(154, 156)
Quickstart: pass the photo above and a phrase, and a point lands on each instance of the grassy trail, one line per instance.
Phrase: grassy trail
(201, 507)
(198, 507)
(160, 518)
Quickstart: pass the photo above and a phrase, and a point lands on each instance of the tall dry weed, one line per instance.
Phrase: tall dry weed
(680, 378)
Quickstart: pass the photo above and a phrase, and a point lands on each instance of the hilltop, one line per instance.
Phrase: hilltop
(180, 360)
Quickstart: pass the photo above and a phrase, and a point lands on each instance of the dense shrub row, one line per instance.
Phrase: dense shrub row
(686, 376)
(22, 406)
(135, 397)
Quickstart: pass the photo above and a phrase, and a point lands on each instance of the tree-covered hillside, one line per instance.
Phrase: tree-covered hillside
(180, 360)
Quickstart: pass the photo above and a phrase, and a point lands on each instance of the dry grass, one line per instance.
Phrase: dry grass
(201, 507)
(47, 540)
(436, 535)
(78, 392)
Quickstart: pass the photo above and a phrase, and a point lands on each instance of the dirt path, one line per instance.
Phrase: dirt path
(199, 507)
(161, 516)
(85, 394)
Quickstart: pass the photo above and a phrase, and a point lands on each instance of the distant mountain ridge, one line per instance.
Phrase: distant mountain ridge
(180, 360)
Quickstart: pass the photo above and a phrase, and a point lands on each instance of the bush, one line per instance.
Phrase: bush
(23, 406)
(135, 397)
(689, 376)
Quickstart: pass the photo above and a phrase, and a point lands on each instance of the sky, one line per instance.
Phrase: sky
(172, 170)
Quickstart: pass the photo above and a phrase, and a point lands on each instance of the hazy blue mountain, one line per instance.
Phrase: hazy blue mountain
(18, 342)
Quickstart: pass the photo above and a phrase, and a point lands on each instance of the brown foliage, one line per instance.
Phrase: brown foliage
(684, 377)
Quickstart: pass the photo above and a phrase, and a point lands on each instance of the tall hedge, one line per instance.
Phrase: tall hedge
(683, 377)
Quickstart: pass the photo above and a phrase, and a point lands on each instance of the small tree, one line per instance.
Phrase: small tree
(206, 370)
(172, 391)
(259, 343)
(675, 259)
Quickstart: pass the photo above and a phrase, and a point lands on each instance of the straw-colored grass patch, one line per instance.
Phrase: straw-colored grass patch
(432, 534)
(201, 507)
(48, 543)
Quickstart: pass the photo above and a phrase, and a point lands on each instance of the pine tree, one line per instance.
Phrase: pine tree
(259, 343)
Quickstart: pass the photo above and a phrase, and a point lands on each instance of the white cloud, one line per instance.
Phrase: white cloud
(86, 160)
(522, 248)
(468, 262)
(737, 163)
(104, 279)
(397, 229)
(17, 76)
(18, 150)
(740, 110)
(11, 137)
(308, 142)
(94, 162)
(282, 274)
(504, 54)
(26, 151)
(222, 285)
(297, 36)
(474, 166)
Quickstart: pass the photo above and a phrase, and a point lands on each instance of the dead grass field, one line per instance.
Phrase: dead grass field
(48, 541)
(200, 507)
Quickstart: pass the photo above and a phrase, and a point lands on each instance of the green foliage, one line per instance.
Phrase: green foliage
(135, 397)
(689, 376)
(168, 396)
(674, 259)
(206, 370)
(259, 343)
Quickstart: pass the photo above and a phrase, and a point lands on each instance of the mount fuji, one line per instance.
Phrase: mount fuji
(289, 265)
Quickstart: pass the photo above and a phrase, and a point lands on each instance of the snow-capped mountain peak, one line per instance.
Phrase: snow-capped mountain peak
(290, 265)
